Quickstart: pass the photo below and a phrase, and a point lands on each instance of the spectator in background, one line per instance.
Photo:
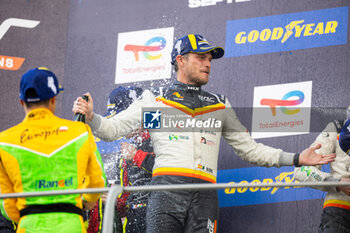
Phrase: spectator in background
(135, 168)
(47, 153)
(134, 165)
(336, 207)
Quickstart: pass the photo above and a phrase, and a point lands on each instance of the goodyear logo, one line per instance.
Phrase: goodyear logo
(284, 177)
(287, 32)
(262, 195)
(48, 184)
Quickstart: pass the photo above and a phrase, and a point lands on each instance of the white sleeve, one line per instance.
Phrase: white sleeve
(247, 148)
(123, 123)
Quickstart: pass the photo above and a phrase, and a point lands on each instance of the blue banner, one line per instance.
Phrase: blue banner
(252, 196)
(110, 147)
(286, 32)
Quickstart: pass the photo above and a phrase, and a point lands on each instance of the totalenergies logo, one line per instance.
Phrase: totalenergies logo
(298, 28)
(273, 103)
(152, 45)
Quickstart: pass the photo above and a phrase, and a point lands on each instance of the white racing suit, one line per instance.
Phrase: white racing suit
(186, 154)
(336, 207)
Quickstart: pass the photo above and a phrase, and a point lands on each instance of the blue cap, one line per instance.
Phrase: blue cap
(344, 137)
(195, 44)
(121, 98)
(43, 81)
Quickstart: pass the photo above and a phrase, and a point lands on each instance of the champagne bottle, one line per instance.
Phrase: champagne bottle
(79, 116)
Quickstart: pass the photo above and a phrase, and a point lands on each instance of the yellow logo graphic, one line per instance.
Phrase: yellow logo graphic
(178, 95)
(294, 27)
(284, 177)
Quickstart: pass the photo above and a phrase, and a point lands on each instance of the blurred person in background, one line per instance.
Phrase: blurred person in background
(133, 167)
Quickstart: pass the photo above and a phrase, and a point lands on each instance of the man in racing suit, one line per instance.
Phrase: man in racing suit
(188, 152)
(336, 207)
(47, 153)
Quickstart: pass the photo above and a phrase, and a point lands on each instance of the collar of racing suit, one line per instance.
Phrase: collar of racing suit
(186, 87)
(38, 114)
(189, 95)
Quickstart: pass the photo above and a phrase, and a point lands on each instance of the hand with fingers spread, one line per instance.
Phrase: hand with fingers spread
(309, 157)
(84, 107)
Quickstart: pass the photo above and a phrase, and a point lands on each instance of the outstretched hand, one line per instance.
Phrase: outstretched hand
(83, 107)
(309, 157)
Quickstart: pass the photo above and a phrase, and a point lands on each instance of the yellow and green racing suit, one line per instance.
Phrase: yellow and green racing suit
(46, 153)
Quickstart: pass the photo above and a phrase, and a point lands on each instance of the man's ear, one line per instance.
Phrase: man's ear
(179, 60)
(21, 102)
(53, 100)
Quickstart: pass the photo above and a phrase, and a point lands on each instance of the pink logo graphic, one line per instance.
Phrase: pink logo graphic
(272, 103)
(148, 47)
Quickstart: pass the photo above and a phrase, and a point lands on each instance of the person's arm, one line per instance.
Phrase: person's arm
(7, 206)
(257, 153)
(328, 139)
(119, 125)
(96, 177)
(145, 160)
(142, 159)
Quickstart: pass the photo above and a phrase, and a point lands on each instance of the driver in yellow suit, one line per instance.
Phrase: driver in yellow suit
(46, 153)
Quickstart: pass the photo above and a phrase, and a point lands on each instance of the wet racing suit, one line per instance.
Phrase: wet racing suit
(188, 155)
(137, 172)
(130, 206)
(336, 207)
(46, 153)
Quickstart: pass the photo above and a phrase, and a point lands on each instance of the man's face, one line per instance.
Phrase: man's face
(196, 68)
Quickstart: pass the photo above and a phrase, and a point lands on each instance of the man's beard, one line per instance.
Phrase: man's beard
(198, 81)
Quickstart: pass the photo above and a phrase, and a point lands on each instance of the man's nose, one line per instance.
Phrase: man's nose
(208, 63)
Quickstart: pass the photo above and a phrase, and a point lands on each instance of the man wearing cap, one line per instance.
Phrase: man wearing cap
(190, 155)
(47, 153)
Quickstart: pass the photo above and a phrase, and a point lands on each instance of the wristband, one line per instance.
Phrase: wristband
(296, 160)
